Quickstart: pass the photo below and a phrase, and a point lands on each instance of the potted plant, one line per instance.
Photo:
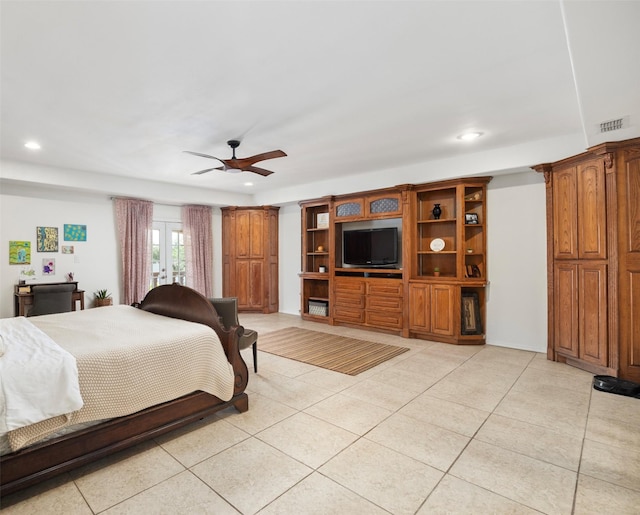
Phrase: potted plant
(436, 272)
(102, 298)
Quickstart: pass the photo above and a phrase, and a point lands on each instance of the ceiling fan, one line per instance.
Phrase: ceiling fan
(237, 165)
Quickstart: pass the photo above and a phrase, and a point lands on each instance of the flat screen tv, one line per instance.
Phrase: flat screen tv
(371, 247)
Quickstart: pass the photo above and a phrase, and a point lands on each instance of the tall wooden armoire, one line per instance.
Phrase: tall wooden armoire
(250, 257)
(593, 252)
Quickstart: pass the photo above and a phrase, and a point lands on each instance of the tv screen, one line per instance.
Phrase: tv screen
(371, 247)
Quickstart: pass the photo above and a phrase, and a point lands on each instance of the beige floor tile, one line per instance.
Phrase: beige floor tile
(554, 408)
(422, 441)
(494, 354)
(58, 496)
(595, 496)
(525, 480)
(318, 495)
(612, 464)
(263, 412)
(383, 395)
(286, 390)
(388, 479)
(251, 474)
(533, 378)
(615, 407)
(307, 439)
(201, 440)
(492, 376)
(270, 363)
(613, 431)
(534, 441)
(449, 415)
(329, 380)
(405, 379)
(349, 413)
(128, 473)
(184, 493)
(454, 496)
(479, 396)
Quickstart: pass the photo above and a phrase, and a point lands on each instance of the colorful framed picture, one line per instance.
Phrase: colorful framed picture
(47, 239)
(67, 249)
(19, 252)
(48, 266)
(73, 232)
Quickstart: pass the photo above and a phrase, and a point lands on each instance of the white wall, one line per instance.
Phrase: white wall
(516, 308)
(517, 262)
(95, 263)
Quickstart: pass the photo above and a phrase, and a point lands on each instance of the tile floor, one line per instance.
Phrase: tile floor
(439, 429)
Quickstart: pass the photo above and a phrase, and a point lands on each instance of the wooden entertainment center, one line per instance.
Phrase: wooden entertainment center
(435, 291)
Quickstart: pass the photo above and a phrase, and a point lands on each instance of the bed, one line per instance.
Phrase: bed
(55, 455)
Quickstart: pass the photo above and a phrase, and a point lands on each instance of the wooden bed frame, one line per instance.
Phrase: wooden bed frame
(45, 460)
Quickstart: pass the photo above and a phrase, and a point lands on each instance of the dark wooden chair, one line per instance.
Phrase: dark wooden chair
(227, 309)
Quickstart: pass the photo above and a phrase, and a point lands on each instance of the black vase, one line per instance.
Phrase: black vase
(436, 212)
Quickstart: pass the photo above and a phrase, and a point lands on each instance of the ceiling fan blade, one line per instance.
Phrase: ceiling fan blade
(259, 171)
(208, 170)
(248, 161)
(203, 155)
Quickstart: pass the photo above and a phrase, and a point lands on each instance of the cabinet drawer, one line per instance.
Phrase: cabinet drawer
(378, 287)
(350, 286)
(386, 319)
(384, 303)
(345, 314)
(349, 300)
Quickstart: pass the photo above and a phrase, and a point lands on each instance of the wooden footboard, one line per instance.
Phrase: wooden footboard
(42, 461)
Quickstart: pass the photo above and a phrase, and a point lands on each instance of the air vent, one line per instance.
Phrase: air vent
(612, 125)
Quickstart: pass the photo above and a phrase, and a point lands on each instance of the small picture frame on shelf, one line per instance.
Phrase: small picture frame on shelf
(471, 218)
(470, 319)
(322, 221)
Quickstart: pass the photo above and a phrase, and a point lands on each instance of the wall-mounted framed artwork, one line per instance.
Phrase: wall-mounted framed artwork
(19, 252)
(47, 239)
(75, 232)
(48, 266)
(67, 249)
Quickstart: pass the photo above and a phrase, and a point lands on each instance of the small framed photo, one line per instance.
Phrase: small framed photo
(471, 218)
(471, 322)
(322, 221)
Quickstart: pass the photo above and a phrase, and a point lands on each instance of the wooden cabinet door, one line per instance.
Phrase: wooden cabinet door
(565, 221)
(256, 235)
(591, 211)
(241, 284)
(442, 319)
(592, 304)
(256, 284)
(565, 307)
(419, 307)
(241, 231)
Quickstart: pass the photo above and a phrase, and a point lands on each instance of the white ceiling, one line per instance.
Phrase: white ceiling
(123, 87)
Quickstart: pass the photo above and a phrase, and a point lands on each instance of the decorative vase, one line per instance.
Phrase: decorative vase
(103, 302)
(436, 212)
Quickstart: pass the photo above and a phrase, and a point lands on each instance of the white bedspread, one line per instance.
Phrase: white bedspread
(128, 360)
(38, 378)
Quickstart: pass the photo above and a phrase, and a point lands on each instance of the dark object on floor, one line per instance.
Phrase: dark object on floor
(616, 385)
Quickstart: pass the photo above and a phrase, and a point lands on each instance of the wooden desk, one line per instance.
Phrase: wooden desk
(23, 301)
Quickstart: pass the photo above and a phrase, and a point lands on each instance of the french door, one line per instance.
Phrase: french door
(167, 254)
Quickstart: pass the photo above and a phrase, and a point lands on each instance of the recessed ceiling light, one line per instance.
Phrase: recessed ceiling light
(32, 145)
(248, 184)
(469, 136)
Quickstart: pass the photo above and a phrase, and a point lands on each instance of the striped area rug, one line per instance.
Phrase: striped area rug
(346, 355)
